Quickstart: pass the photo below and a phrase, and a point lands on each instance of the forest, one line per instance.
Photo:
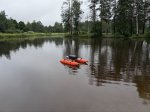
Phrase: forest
(118, 18)
(122, 18)
(9, 25)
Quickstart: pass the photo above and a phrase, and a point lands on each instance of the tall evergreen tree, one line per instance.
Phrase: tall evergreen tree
(58, 27)
(67, 15)
(28, 27)
(71, 14)
(124, 15)
(105, 11)
(11, 25)
(21, 25)
(146, 11)
(139, 14)
(76, 11)
(3, 21)
(95, 23)
(93, 9)
(114, 12)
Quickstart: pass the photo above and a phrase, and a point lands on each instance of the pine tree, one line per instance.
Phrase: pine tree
(71, 14)
(124, 16)
(105, 9)
(93, 4)
(114, 12)
(3, 21)
(146, 11)
(76, 12)
(67, 15)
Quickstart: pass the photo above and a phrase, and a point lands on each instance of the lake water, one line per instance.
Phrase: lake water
(116, 79)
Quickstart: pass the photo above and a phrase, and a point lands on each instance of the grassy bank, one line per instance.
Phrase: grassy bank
(22, 36)
(7, 35)
(87, 35)
(28, 36)
(58, 34)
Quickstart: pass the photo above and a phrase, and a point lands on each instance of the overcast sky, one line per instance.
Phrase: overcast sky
(46, 11)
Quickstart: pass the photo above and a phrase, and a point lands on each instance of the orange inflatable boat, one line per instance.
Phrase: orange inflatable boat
(77, 59)
(80, 60)
(69, 62)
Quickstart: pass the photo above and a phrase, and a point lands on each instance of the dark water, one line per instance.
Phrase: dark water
(116, 79)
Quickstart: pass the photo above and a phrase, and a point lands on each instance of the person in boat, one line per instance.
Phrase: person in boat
(72, 57)
(76, 59)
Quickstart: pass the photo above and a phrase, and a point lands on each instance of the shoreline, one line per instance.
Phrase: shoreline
(22, 35)
(26, 35)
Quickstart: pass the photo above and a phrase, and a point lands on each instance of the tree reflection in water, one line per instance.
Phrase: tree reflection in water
(6, 47)
(110, 61)
(116, 61)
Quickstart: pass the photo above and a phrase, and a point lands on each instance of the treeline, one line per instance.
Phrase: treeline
(71, 16)
(122, 17)
(9, 25)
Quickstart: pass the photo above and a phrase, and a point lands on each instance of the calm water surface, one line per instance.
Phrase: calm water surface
(116, 79)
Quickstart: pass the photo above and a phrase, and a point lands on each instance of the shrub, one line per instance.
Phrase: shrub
(147, 35)
(135, 36)
(118, 35)
(83, 32)
(30, 32)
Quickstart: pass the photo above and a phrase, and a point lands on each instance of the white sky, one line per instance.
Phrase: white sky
(46, 11)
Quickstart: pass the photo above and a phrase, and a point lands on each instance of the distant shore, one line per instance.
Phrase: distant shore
(3, 35)
(10, 36)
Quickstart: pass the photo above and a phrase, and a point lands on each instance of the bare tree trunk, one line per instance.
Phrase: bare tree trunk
(137, 25)
(71, 30)
(131, 25)
(136, 16)
(114, 26)
(144, 17)
(70, 18)
(94, 16)
(88, 28)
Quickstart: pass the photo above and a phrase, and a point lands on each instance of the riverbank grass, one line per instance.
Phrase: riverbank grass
(26, 34)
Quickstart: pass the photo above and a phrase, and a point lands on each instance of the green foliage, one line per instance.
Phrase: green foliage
(2, 21)
(147, 35)
(83, 33)
(106, 27)
(96, 32)
(118, 35)
(76, 10)
(21, 25)
(124, 17)
(105, 10)
(130, 17)
(71, 15)
(10, 31)
(135, 36)
(22, 35)
(93, 8)
(66, 15)
(12, 26)
(28, 27)
(86, 26)
(58, 27)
